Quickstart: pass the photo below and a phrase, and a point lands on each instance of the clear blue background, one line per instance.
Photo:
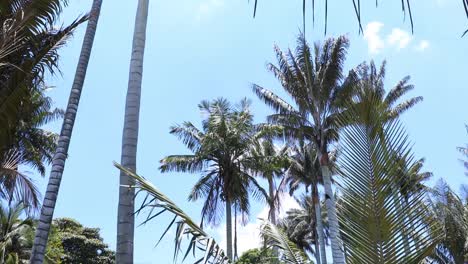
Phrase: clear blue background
(209, 48)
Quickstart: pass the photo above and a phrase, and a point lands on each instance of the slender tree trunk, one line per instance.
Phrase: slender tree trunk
(319, 224)
(126, 220)
(58, 161)
(271, 193)
(228, 230)
(337, 253)
(235, 234)
(317, 250)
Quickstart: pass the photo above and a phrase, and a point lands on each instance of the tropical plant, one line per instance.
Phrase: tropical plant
(300, 226)
(370, 87)
(61, 153)
(29, 45)
(316, 86)
(451, 213)
(270, 163)
(277, 238)
(126, 207)
(258, 256)
(16, 185)
(220, 153)
(305, 171)
(373, 214)
(158, 203)
(13, 245)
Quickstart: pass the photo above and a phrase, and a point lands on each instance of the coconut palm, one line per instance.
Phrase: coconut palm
(305, 171)
(373, 214)
(126, 207)
(317, 87)
(220, 153)
(452, 213)
(61, 153)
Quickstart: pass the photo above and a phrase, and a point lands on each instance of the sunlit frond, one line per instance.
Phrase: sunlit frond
(185, 227)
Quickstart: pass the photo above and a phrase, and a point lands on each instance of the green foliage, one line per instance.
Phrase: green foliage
(80, 244)
(451, 213)
(258, 256)
(288, 251)
(220, 153)
(13, 232)
(374, 215)
(29, 45)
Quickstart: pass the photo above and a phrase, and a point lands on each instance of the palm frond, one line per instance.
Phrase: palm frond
(276, 238)
(271, 99)
(184, 225)
(182, 163)
(371, 208)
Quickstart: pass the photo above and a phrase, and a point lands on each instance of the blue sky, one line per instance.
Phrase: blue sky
(210, 48)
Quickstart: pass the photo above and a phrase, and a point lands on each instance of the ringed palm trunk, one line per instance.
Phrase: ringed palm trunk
(337, 253)
(319, 226)
(126, 221)
(228, 229)
(58, 161)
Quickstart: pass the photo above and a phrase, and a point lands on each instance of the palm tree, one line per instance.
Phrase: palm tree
(270, 163)
(12, 231)
(275, 237)
(370, 87)
(372, 212)
(58, 161)
(305, 171)
(29, 46)
(316, 86)
(15, 185)
(300, 226)
(220, 153)
(126, 207)
(452, 213)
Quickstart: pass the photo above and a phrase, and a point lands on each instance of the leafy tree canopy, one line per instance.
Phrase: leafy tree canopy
(258, 256)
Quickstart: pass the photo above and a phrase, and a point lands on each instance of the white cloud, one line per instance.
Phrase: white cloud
(379, 40)
(207, 7)
(248, 236)
(422, 46)
(399, 38)
(372, 36)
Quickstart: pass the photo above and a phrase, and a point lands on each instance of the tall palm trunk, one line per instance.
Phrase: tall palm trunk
(337, 253)
(58, 161)
(236, 256)
(271, 193)
(319, 226)
(228, 229)
(126, 221)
